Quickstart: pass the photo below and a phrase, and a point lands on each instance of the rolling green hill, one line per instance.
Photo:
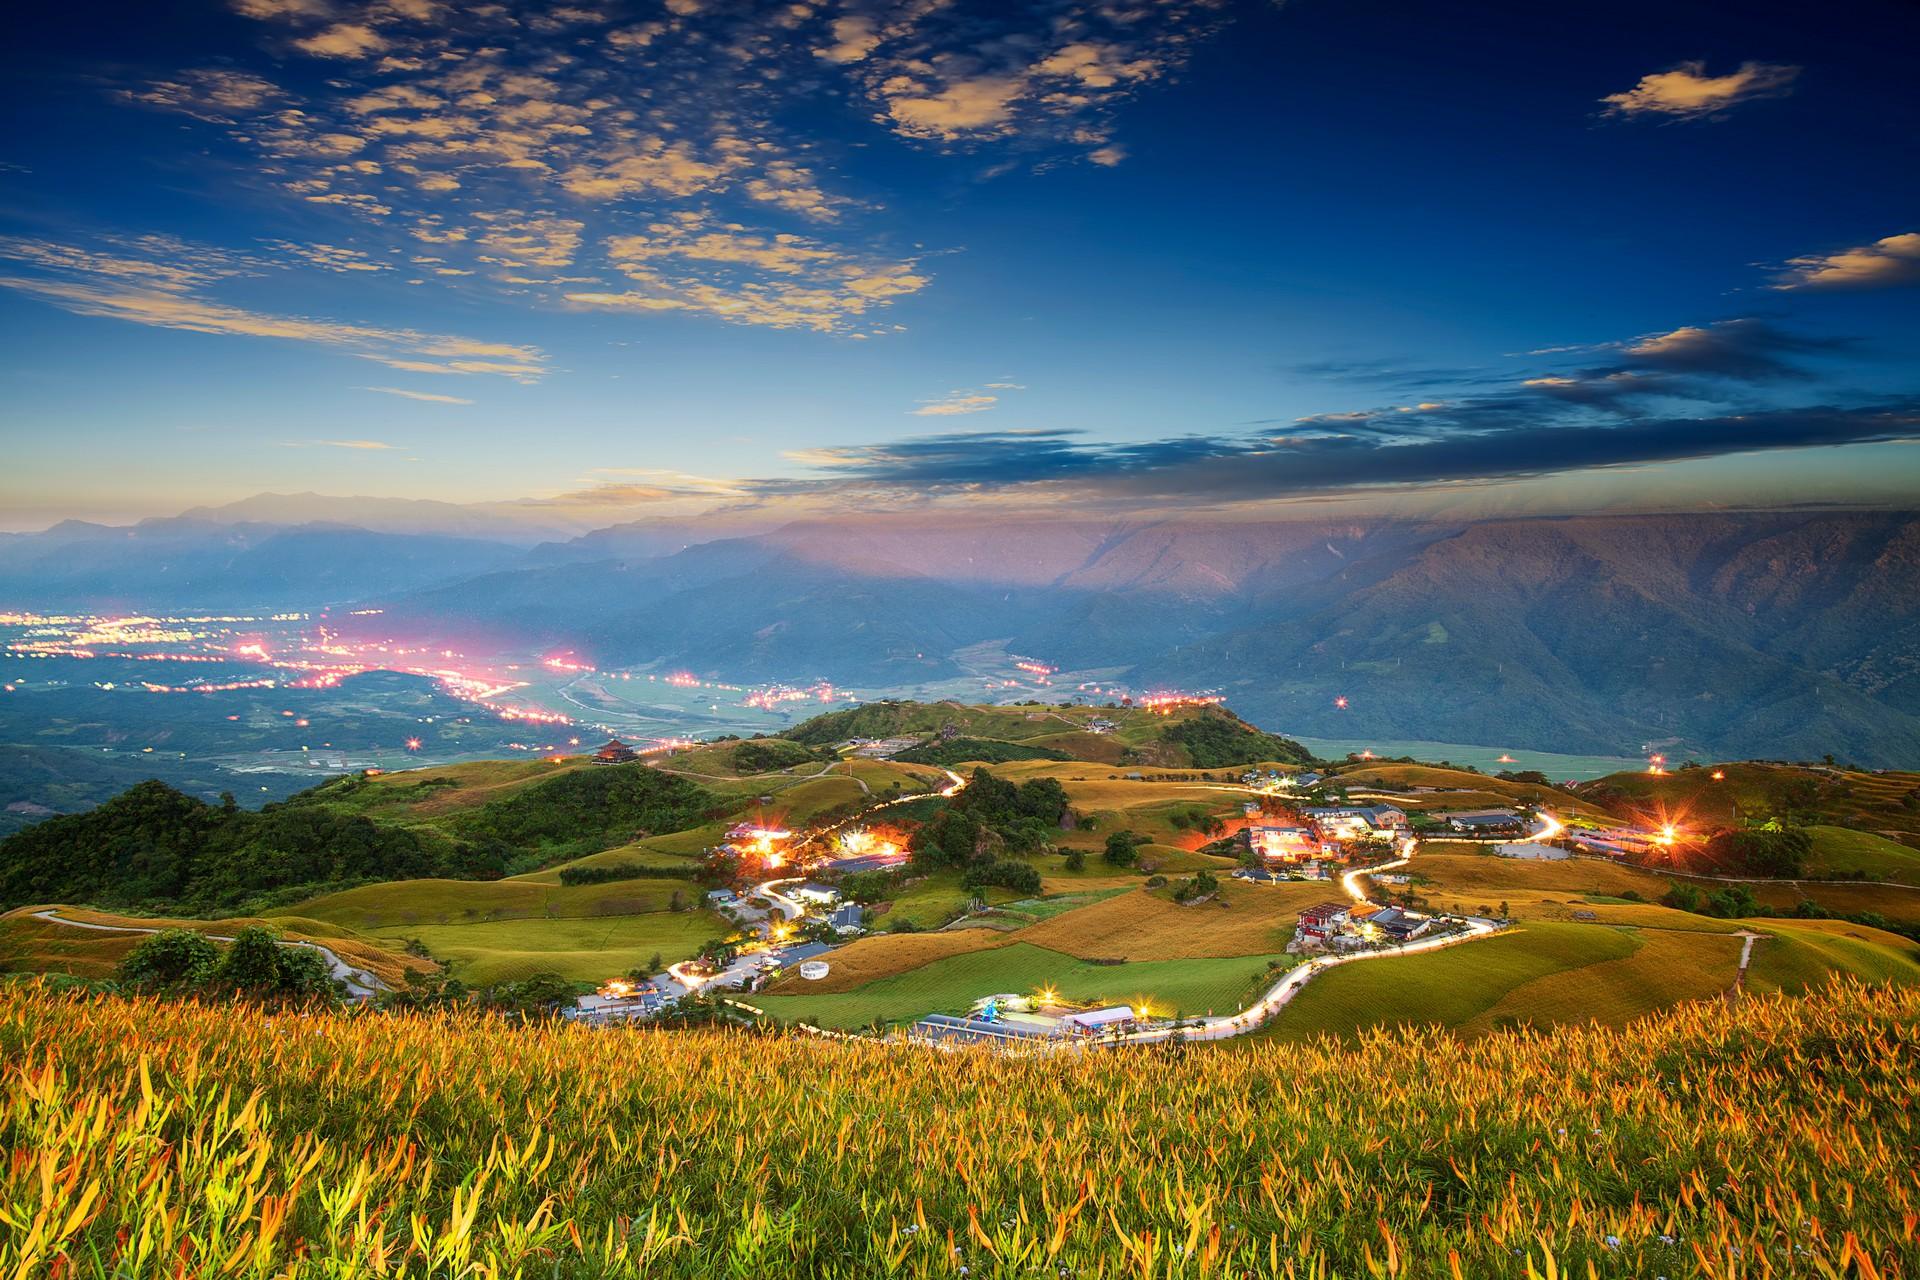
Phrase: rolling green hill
(153, 847)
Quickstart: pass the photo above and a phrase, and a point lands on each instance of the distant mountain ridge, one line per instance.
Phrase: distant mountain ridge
(1775, 635)
(1756, 634)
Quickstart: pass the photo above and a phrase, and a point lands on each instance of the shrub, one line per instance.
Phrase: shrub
(172, 959)
(1123, 848)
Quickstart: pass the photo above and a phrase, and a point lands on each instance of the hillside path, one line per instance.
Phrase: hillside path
(360, 984)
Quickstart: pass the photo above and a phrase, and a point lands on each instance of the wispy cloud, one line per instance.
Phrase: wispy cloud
(166, 288)
(525, 141)
(1687, 92)
(371, 446)
(955, 403)
(1891, 260)
(427, 396)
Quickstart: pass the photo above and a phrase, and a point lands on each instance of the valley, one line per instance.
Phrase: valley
(1147, 880)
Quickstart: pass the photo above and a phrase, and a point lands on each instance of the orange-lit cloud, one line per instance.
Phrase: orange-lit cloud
(1891, 260)
(1688, 92)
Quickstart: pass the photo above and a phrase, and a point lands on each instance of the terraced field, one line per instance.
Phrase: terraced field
(1244, 920)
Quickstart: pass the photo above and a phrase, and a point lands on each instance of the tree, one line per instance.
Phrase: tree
(1682, 897)
(1780, 851)
(1076, 859)
(539, 995)
(304, 975)
(1123, 848)
(170, 960)
(251, 965)
(1021, 877)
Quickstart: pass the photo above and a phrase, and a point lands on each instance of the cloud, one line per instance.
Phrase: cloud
(1892, 260)
(693, 262)
(427, 396)
(374, 446)
(954, 403)
(854, 37)
(1746, 348)
(529, 140)
(209, 93)
(172, 295)
(343, 40)
(1046, 75)
(1687, 92)
(329, 257)
(1214, 470)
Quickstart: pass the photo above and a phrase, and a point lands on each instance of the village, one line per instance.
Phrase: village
(789, 900)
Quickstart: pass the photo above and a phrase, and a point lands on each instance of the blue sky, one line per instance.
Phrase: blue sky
(642, 259)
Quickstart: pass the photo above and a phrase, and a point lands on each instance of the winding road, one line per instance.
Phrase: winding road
(360, 984)
(1281, 993)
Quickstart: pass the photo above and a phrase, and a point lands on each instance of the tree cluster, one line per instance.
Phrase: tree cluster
(153, 846)
(254, 966)
(1021, 877)
(990, 817)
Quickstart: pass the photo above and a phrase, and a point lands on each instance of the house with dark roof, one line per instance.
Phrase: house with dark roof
(1486, 822)
(1398, 925)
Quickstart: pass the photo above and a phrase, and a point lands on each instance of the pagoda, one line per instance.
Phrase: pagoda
(615, 752)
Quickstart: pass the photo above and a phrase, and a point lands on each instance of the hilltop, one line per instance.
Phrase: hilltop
(1197, 736)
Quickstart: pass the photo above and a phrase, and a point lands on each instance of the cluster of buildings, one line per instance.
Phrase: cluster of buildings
(1277, 782)
(1038, 1020)
(1320, 837)
(1618, 842)
(881, 748)
(1347, 926)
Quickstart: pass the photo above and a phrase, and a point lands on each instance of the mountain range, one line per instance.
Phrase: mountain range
(1785, 635)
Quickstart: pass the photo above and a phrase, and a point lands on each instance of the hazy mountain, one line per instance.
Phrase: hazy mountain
(192, 563)
(1750, 634)
(519, 523)
(1762, 634)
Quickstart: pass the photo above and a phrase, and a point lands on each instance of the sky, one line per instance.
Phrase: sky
(653, 259)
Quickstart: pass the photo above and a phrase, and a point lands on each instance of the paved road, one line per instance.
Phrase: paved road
(360, 984)
(1282, 992)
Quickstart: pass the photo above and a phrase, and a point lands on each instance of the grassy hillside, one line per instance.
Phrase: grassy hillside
(1460, 789)
(1888, 803)
(32, 945)
(1553, 974)
(954, 982)
(1840, 852)
(1204, 737)
(155, 848)
(1762, 1129)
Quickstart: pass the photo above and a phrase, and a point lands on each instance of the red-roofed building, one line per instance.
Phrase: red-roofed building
(1322, 922)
